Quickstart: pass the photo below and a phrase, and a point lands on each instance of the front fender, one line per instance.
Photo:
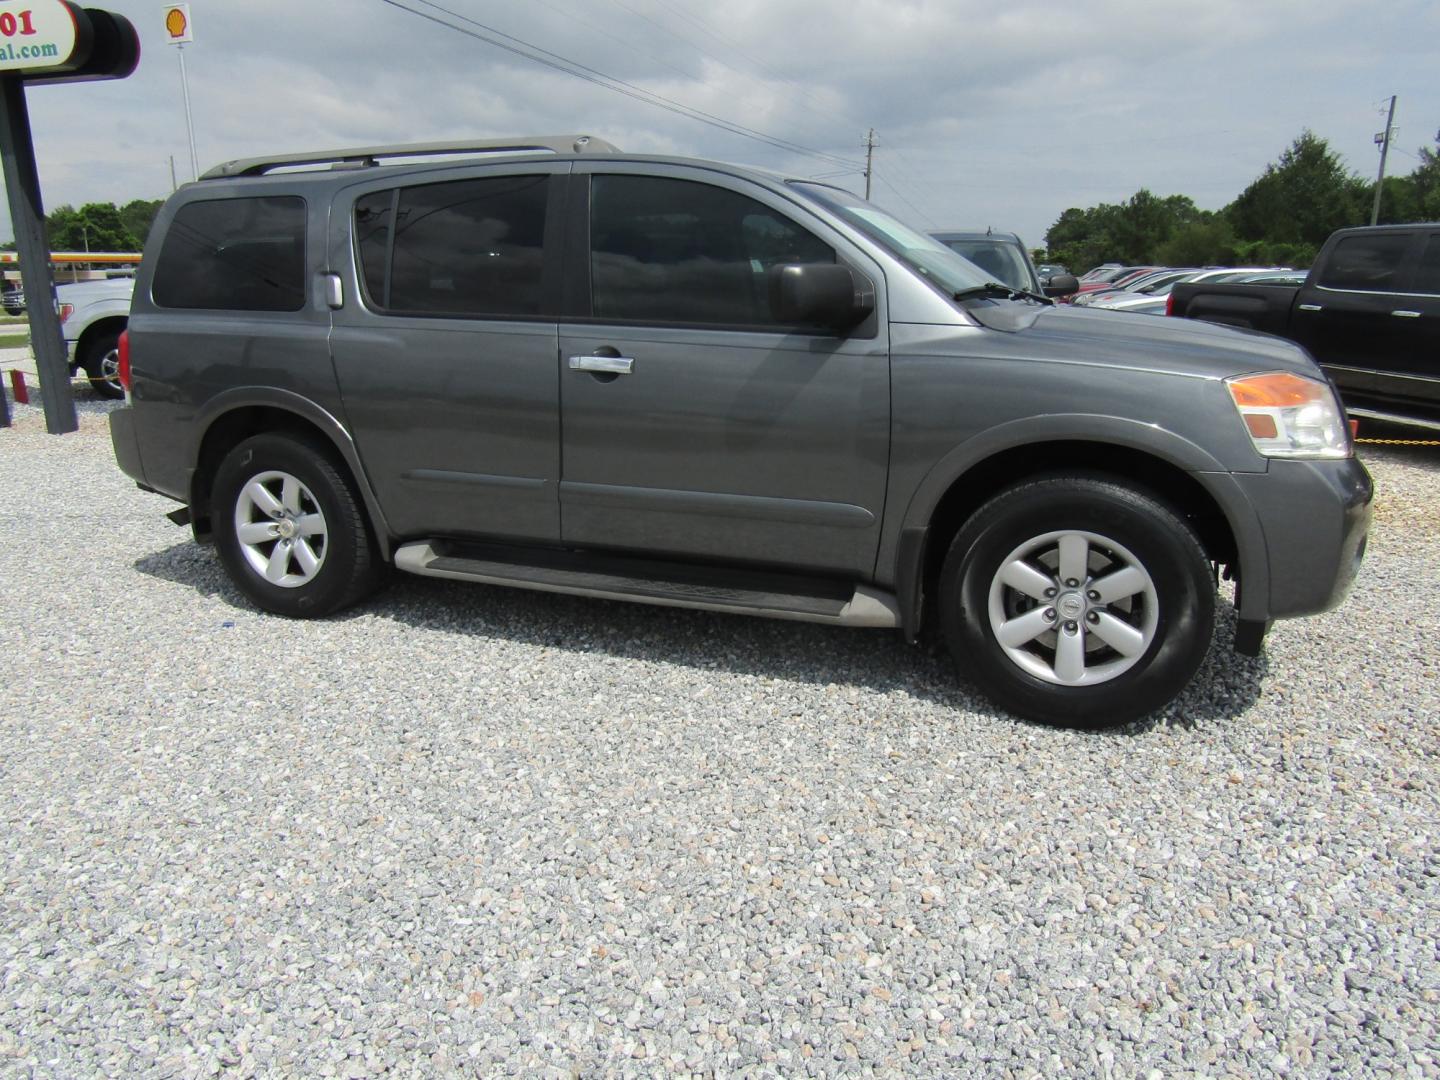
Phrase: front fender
(910, 540)
(1057, 427)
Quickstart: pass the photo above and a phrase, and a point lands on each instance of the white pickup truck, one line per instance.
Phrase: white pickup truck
(92, 316)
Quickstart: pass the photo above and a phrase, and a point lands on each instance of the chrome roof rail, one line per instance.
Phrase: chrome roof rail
(362, 156)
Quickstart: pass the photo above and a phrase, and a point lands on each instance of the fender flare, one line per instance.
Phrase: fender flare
(249, 397)
(1158, 443)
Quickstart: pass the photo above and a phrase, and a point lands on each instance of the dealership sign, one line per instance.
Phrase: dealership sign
(40, 35)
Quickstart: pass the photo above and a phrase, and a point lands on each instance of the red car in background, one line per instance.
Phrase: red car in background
(1123, 277)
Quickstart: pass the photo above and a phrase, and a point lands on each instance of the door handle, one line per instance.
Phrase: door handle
(1406, 314)
(1311, 307)
(606, 365)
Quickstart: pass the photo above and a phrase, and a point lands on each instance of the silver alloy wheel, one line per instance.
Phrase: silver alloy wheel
(281, 529)
(1073, 608)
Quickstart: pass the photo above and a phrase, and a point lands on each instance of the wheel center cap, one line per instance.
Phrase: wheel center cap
(1070, 605)
(286, 529)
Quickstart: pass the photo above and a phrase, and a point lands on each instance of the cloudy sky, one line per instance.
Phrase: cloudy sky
(985, 113)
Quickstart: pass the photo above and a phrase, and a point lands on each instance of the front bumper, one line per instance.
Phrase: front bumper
(1315, 516)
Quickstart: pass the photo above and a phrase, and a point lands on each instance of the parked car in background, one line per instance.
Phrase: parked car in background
(1005, 258)
(1159, 289)
(1103, 272)
(1368, 311)
(1274, 277)
(1144, 305)
(1120, 280)
(93, 315)
(13, 299)
(1142, 284)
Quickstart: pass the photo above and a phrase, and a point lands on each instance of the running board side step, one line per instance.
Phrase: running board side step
(745, 593)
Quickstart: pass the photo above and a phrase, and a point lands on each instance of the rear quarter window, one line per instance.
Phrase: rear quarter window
(234, 255)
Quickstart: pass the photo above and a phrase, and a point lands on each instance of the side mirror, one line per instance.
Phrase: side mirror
(1062, 285)
(823, 295)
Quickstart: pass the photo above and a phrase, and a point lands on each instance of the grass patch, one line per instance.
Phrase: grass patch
(14, 341)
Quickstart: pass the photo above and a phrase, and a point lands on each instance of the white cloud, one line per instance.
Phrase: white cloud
(986, 113)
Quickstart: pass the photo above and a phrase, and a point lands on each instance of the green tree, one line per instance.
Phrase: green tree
(1300, 199)
(1080, 238)
(1131, 232)
(1145, 222)
(137, 216)
(1207, 241)
(1425, 181)
(94, 227)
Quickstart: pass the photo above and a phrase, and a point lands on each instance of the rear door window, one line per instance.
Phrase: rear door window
(459, 248)
(1427, 275)
(680, 251)
(1367, 263)
(234, 255)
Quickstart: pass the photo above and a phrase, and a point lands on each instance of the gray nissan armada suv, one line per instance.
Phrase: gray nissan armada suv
(547, 364)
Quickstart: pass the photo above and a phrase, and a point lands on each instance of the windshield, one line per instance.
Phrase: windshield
(1002, 261)
(928, 257)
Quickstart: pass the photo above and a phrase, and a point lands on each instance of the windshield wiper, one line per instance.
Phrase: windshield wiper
(1004, 292)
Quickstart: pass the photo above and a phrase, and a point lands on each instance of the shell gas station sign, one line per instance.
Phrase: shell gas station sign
(177, 24)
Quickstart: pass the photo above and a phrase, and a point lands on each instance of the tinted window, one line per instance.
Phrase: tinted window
(373, 217)
(234, 255)
(467, 247)
(1369, 263)
(1427, 277)
(683, 252)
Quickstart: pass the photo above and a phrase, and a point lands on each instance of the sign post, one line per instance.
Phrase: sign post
(179, 32)
(22, 184)
(49, 41)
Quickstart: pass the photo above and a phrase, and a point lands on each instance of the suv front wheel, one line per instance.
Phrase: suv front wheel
(1077, 600)
(289, 527)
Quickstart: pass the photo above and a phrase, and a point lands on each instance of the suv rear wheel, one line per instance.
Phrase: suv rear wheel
(1076, 600)
(289, 527)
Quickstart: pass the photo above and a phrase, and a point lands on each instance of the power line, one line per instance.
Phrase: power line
(920, 214)
(597, 28)
(529, 51)
(705, 28)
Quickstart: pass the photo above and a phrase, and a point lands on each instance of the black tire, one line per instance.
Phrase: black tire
(101, 363)
(348, 567)
(1164, 626)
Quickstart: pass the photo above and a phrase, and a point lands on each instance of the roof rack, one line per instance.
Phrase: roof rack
(360, 157)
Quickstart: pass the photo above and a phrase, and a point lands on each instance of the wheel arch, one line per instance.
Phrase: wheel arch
(236, 415)
(1176, 471)
(109, 324)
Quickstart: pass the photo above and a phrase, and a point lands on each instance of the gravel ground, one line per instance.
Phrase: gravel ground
(469, 830)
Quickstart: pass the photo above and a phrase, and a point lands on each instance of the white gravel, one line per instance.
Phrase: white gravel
(469, 830)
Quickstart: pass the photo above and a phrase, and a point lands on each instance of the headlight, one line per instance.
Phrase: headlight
(1291, 416)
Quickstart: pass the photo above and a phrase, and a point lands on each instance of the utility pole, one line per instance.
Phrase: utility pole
(1383, 139)
(869, 157)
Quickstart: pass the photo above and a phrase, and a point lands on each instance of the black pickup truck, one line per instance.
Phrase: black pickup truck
(1369, 312)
